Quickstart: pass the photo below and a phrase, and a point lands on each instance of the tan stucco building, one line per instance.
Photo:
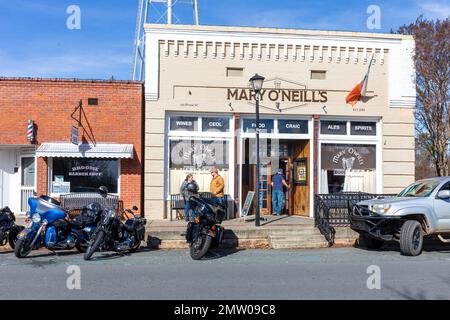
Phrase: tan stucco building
(200, 112)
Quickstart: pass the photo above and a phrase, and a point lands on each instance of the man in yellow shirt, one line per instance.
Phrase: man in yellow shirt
(216, 186)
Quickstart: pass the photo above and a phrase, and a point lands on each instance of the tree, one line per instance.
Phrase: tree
(432, 62)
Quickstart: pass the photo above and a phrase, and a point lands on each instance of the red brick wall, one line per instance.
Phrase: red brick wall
(49, 102)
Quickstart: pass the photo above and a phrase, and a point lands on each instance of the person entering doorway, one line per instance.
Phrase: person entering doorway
(278, 198)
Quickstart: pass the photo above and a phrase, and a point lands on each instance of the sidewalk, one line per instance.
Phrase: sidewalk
(276, 232)
(284, 232)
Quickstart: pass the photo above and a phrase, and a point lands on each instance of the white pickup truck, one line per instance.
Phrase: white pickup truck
(421, 209)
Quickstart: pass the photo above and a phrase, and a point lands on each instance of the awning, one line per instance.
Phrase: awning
(100, 150)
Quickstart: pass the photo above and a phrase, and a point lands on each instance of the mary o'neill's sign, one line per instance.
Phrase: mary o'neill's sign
(278, 95)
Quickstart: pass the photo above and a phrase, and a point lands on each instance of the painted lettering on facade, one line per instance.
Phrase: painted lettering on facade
(279, 95)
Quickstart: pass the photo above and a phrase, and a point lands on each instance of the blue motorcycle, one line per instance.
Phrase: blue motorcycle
(50, 227)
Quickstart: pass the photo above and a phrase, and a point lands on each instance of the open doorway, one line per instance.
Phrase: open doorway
(291, 157)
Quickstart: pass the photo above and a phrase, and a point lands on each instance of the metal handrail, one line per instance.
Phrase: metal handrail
(332, 210)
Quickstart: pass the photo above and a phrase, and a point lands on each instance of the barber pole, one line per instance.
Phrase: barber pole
(30, 131)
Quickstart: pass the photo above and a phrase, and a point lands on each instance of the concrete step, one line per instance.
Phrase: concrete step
(297, 241)
(299, 245)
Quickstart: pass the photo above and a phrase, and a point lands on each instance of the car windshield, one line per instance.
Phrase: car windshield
(419, 189)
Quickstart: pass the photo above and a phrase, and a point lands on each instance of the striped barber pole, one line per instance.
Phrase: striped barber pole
(30, 131)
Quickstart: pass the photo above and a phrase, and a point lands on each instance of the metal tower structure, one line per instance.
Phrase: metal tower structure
(155, 11)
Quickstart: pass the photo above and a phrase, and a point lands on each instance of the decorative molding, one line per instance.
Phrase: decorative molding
(169, 42)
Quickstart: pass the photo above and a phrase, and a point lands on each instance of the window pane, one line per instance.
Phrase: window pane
(28, 172)
(197, 157)
(73, 174)
(348, 168)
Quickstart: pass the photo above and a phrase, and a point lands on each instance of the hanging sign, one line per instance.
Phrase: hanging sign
(74, 135)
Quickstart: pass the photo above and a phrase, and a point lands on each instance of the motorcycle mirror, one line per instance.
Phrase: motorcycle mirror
(135, 208)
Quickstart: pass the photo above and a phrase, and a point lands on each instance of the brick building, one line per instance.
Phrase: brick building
(108, 118)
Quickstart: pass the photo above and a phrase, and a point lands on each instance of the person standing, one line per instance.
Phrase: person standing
(278, 199)
(216, 186)
(184, 190)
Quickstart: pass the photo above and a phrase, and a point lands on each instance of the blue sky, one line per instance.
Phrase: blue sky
(35, 41)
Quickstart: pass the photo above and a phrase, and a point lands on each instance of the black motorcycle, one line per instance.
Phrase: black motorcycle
(204, 230)
(113, 235)
(8, 228)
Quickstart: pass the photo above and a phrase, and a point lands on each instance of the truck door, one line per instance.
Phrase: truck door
(442, 210)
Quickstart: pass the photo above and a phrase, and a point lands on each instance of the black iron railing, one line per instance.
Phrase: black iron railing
(332, 210)
(76, 201)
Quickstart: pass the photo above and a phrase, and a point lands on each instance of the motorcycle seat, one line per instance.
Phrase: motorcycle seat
(77, 222)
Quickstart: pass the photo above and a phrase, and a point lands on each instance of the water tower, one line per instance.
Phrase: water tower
(156, 11)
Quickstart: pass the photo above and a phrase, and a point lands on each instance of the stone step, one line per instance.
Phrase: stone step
(299, 232)
(299, 245)
(297, 239)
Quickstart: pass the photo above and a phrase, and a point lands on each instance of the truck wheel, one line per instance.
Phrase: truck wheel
(411, 238)
(367, 242)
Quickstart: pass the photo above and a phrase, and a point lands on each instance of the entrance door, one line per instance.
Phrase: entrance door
(8, 187)
(27, 181)
(300, 193)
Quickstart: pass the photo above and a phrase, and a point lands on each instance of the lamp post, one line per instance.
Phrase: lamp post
(257, 83)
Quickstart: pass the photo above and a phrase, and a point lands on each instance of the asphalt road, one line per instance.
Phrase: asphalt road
(332, 273)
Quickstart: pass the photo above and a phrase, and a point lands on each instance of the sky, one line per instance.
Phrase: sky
(36, 42)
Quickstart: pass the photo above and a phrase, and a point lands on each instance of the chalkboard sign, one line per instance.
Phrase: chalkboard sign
(247, 203)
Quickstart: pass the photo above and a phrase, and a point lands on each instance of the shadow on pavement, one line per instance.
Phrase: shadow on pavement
(431, 244)
(220, 253)
(102, 255)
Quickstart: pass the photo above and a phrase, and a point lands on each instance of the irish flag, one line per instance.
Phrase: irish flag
(360, 90)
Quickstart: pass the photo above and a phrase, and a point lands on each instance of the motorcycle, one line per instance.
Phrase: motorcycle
(112, 234)
(8, 228)
(204, 230)
(50, 227)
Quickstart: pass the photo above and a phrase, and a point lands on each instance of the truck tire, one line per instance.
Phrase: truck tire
(367, 242)
(411, 238)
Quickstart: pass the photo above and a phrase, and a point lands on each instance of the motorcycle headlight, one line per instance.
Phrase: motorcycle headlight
(36, 218)
(380, 208)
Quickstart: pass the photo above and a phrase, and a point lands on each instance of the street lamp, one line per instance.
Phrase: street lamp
(257, 83)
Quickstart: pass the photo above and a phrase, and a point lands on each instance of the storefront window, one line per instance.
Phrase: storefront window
(197, 157)
(77, 174)
(348, 168)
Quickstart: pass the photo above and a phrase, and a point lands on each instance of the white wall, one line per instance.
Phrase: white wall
(9, 181)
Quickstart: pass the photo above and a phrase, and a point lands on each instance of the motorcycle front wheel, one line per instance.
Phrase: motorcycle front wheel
(200, 247)
(136, 243)
(94, 245)
(12, 237)
(23, 247)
